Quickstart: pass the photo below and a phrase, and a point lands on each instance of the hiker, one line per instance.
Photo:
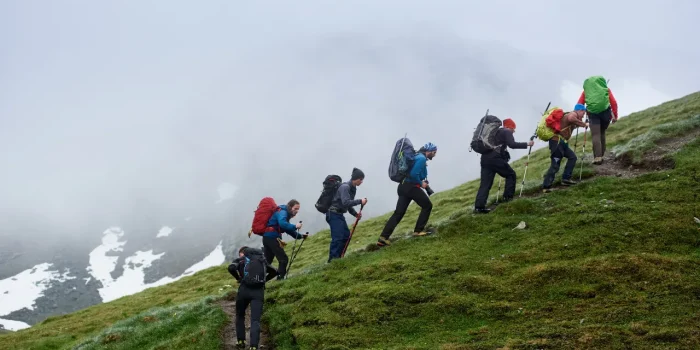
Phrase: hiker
(559, 148)
(601, 107)
(251, 291)
(272, 238)
(496, 162)
(411, 189)
(343, 202)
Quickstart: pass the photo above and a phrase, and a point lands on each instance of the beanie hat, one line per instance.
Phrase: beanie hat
(509, 123)
(357, 174)
(579, 107)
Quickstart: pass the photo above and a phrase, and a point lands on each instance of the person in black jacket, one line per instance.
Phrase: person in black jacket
(496, 162)
(249, 295)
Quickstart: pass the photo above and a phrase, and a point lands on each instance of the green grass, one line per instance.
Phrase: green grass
(636, 147)
(187, 326)
(609, 263)
(65, 331)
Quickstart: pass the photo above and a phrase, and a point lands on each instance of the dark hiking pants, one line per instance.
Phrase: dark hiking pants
(558, 151)
(489, 168)
(409, 192)
(253, 297)
(599, 123)
(340, 233)
(274, 250)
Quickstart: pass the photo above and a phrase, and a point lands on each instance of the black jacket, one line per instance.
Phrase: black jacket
(505, 140)
(236, 270)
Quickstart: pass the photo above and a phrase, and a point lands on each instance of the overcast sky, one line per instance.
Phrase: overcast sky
(107, 106)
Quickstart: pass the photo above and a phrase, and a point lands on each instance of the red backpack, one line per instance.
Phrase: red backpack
(554, 120)
(266, 208)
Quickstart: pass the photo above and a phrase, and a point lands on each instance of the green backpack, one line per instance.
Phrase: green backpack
(597, 96)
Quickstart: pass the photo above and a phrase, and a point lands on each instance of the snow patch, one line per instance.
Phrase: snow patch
(21, 290)
(13, 325)
(165, 231)
(132, 280)
(214, 258)
(226, 191)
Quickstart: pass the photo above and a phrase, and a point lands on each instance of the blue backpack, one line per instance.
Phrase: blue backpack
(402, 159)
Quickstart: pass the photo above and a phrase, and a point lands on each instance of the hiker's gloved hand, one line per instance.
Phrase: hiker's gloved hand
(299, 225)
(530, 143)
(364, 201)
(424, 184)
(305, 236)
(358, 216)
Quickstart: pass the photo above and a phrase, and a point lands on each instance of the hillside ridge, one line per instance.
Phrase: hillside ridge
(622, 271)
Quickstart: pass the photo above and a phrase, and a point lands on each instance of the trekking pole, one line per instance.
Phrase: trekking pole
(295, 242)
(530, 151)
(352, 232)
(583, 154)
(294, 255)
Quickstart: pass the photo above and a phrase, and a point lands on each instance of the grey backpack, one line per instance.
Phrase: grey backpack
(484, 139)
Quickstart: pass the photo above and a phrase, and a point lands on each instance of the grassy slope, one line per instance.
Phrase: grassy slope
(581, 275)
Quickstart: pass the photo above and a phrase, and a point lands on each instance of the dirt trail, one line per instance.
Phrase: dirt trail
(228, 304)
(653, 160)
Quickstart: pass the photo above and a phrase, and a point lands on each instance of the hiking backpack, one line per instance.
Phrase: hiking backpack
(401, 160)
(484, 138)
(330, 187)
(266, 208)
(597, 94)
(254, 268)
(549, 124)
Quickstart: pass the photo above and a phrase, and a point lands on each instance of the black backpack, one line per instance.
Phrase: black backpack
(330, 187)
(402, 159)
(254, 268)
(484, 139)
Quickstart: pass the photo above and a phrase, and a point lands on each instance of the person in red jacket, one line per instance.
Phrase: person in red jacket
(602, 110)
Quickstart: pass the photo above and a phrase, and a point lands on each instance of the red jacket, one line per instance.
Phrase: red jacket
(613, 102)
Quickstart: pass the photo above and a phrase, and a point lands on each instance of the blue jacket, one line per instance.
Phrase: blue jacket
(419, 171)
(281, 219)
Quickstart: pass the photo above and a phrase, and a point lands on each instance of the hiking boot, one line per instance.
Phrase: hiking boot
(253, 348)
(568, 182)
(481, 211)
(598, 160)
(383, 242)
(547, 190)
(240, 344)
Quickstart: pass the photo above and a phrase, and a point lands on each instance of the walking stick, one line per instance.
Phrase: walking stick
(583, 155)
(528, 154)
(352, 232)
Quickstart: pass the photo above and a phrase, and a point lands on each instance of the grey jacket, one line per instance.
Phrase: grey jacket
(344, 199)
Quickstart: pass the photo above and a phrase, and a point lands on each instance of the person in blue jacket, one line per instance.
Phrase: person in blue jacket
(411, 189)
(272, 238)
